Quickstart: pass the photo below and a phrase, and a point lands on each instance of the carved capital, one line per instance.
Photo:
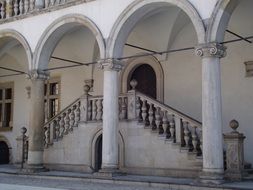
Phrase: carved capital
(110, 64)
(38, 75)
(211, 50)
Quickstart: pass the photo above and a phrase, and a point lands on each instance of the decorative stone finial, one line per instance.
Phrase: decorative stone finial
(23, 130)
(86, 89)
(133, 84)
(234, 125)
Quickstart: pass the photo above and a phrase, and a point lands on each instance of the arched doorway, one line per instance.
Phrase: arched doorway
(146, 78)
(98, 153)
(4, 153)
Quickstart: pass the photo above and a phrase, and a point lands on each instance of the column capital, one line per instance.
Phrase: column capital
(110, 64)
(211, 50)
(38, 75)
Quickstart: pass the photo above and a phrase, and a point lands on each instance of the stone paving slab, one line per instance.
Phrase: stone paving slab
(23, 187)
(125, 180)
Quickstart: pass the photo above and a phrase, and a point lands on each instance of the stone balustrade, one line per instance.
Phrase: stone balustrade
(62, 124)
(18, 8)
(172, 125)
(169, 123)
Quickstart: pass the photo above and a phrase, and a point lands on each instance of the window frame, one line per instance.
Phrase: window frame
(48, 96)
(3, 87)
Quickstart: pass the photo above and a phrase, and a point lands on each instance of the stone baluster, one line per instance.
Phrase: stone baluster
(178, 129)
(94, 110)
(77, 114)
(165, 124)
(89, 110)
(47, 3)
(52, 2)
(72, 118)
(57, 128)
(39, 4)
(123, 114)
(138, 109)
(32, 4)
(2, 9)
(194, 138)
(62, 125)
(47, 136)
(9, 9)
(172, 129)
(99, 109)
(157, 119)
(26, 6)
(186, 134)
(57, 2)
(15, 7)
(21, 7)
(151, 115)
(52, 131)
(144, 111)
(66, 120)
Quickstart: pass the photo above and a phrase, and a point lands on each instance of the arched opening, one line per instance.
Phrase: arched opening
(4, 153)
(157, 26)
(236, 78)
(98, 153)
(146, 79)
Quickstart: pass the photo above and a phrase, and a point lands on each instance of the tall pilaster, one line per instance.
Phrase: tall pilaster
(211, 110)
(37, 119)
(110, 115)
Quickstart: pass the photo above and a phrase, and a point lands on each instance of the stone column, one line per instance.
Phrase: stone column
(110, 115)
(37, 118)
(213, 168)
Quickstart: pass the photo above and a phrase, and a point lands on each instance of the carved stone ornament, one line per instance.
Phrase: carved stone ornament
(211, 50)
(110, 64)
(37, 74)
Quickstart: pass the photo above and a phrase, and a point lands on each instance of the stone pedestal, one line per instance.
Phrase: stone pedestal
(234, 153)
(211, 112)
(37, 116)
(110, 116)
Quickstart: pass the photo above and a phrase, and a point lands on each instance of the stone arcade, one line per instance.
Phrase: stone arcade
(132, 86)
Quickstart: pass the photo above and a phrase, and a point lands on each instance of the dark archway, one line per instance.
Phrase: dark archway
(98, 153)
(146, 78)
(4, 153)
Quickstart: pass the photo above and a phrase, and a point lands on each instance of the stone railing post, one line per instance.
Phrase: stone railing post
(84, 104)
(213, 168)
(131, 96)
(234, 153)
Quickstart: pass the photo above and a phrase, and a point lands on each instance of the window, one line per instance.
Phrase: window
(6, 106)
(52, 97)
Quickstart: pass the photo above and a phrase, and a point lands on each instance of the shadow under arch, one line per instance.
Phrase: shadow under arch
(5, 140)
(93, 146)
(220, 19)
(55, 31)
(22, 40)
(137, 10)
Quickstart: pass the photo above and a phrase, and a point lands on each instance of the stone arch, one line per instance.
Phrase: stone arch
(137, 10)
(21, 39)
(93, 148)
(55, 32)
(219, 20)
(152, 61)
(5, 140)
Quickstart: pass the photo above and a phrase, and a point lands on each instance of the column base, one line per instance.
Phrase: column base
(108, 173)
(211, 178)
(28, 168)
(235, 175)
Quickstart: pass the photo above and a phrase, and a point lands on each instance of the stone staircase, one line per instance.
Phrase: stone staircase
(170, 125)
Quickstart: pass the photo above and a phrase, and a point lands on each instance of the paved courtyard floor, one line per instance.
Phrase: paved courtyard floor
(12, 179)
